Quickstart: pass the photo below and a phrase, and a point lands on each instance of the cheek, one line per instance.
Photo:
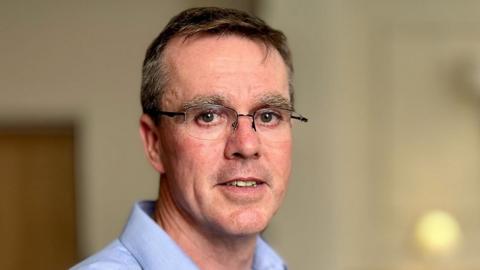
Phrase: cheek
(278, 158)
(191, 161)
(191, 166)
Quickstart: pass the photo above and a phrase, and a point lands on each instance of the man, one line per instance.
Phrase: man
(217, 117)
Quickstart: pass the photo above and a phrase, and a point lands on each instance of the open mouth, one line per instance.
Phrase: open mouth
(243, 183)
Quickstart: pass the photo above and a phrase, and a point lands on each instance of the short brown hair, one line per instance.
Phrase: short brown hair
(206, 20)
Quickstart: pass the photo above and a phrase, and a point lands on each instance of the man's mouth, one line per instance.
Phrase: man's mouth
(244, 189)
(243, 183)
(239, 183)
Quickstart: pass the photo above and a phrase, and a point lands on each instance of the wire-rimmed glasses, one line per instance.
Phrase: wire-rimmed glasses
(212, 121)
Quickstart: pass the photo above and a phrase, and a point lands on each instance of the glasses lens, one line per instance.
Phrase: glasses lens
(209, 122)
(273, 124)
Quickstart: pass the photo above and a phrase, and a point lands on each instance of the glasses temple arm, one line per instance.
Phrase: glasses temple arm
(299, 117)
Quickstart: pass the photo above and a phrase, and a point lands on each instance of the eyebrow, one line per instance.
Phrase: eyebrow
(204, 100)
(266, 100)
(275, 100)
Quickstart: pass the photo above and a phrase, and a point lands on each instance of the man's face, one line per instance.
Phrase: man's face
(241, 74)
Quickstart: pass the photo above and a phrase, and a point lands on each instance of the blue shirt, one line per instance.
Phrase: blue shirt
(145, 245)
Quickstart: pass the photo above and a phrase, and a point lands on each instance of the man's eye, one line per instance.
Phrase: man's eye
(266, 117)
(269, 117)
(207, 117)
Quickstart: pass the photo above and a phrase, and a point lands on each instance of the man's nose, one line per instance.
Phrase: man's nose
(243, 141)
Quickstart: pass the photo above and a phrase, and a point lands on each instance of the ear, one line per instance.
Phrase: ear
(151, 142)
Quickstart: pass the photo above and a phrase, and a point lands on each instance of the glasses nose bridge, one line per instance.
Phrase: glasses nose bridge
(235, 123)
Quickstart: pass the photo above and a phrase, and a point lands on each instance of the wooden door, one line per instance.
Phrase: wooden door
(37, 202)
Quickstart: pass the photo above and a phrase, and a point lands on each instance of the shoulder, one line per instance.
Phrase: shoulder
(115, 257)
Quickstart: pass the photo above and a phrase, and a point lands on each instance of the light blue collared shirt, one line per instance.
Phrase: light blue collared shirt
(145, 245)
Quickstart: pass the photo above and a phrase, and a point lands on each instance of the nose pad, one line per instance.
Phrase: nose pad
(235, 124)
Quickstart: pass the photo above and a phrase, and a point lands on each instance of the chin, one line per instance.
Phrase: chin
(247, 222)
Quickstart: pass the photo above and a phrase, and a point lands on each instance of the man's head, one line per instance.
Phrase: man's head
(204, 21)
(223, 173)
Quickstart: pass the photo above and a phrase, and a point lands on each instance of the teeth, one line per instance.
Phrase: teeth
(242, 183)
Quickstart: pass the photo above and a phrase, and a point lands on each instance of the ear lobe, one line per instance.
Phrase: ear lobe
(151, 142)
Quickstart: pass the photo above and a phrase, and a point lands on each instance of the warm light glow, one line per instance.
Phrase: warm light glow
(438, 233)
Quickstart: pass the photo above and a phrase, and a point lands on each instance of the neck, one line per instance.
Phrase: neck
(207, 248)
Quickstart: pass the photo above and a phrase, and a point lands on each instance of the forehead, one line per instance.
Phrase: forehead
(239, 69)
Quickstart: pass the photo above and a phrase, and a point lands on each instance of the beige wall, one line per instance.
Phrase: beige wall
(318, 226)
(394, 131)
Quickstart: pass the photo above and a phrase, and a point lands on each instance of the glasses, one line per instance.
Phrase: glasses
(211, 122)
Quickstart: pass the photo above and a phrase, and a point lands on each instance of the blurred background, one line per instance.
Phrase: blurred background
(386, 172)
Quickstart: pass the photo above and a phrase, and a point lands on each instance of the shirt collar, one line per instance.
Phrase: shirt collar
(266, 258)
(150, 244)
(152, 247)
